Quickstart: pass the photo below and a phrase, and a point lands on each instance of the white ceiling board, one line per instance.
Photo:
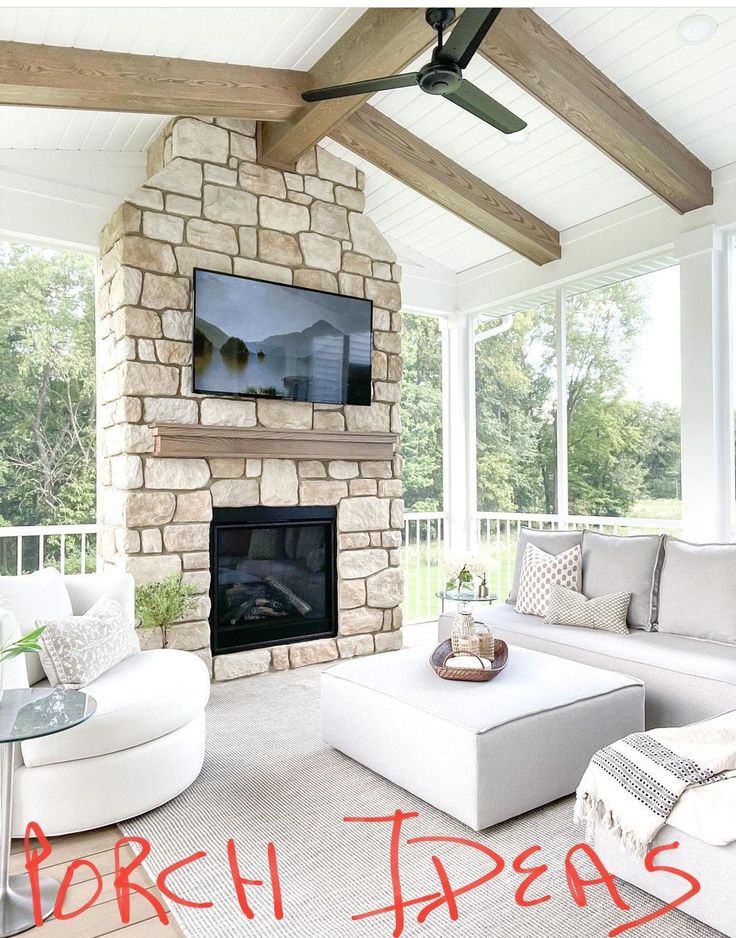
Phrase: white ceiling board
(687, 87)
(28, 128)
(275, 37)
(419, 223)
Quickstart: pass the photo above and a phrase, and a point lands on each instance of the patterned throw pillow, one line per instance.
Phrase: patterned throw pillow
(608, 613)
(541, 571)
(77, 649)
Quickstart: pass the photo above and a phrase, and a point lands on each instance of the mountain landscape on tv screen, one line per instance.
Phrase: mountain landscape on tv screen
(309, 364)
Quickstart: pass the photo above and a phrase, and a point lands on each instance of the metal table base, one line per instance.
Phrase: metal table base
(16, 902)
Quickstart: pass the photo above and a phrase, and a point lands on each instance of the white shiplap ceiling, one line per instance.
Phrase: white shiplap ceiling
(554, 173)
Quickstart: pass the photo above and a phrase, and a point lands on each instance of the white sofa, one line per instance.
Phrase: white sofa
(687, 678)
(144, 744)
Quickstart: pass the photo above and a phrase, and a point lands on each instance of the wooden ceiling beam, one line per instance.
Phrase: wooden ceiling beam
(382, 42)
(523, 46)
(60, 76)
(381, 141)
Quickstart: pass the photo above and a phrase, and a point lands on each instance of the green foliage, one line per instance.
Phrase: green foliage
(159, 604)
(421, 413)
(47, 386)
(620, 451)
(23, 646)
(515, 415)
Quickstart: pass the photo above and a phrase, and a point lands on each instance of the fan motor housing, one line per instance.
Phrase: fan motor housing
(439, 77)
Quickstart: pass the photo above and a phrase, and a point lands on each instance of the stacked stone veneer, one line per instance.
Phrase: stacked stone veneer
(208, 203)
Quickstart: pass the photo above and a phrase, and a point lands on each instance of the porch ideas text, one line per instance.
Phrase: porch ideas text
(530, 891)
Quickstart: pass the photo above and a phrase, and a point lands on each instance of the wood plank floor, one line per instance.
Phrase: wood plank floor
(103, 918)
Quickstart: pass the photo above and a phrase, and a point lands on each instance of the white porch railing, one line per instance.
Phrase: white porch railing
(69, 548)
(422, 556)
(496, 534)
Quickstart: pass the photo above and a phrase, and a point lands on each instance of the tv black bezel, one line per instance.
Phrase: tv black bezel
(270, 397)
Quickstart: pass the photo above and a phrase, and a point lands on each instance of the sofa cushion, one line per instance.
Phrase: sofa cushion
(613, 564)
(86, 588)
(40, 595)
(708, 812)
(551, 542)
(144, 697)
(698, 590)
(675, 653)
(75, 650)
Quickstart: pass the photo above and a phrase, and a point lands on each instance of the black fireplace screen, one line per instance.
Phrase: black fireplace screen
(273, 576)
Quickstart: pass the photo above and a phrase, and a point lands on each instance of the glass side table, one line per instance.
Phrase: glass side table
(28, 713)
(456, 596)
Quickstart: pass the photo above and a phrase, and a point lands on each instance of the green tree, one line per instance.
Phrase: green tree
(47, 386)
(515, 414)
(619, 449)
(660, 451)
(421, 413)
(604, 433)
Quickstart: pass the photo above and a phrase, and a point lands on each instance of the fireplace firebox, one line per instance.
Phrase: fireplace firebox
(274, 576)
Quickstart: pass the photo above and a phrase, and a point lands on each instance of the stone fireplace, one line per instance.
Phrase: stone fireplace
(172, 460)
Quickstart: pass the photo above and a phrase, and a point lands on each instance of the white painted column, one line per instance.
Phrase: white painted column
(563, 507)
(459, 424)
(707, 458)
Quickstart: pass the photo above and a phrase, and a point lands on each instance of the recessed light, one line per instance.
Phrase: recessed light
(697, 28)
(519, 137)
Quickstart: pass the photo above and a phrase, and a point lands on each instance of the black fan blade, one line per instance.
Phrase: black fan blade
(486, 108)
(371, 86)
(468, 34)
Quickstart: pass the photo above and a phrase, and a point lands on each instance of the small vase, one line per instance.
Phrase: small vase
(463, 629)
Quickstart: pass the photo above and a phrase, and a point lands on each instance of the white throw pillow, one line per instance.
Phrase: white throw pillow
(541, 571)
(13, 670)
(40, 595)
(77, 649)
(607, 613)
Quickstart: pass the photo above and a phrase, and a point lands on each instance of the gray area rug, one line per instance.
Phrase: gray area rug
(268, 777)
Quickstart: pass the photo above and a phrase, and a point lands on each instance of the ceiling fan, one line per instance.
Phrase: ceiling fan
(443, 74)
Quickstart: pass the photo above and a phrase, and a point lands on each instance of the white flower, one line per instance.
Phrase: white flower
(475, 564)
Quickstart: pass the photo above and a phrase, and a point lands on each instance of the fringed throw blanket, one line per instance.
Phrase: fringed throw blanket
(632, 786)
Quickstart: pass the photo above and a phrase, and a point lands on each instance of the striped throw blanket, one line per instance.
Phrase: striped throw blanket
(632, 786)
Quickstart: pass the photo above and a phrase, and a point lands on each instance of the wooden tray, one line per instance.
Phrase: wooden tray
(443, 652)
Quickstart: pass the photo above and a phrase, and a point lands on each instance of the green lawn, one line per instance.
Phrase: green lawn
(422, 579)
(667, 508)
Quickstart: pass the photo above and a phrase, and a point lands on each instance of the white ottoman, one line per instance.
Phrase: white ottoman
(482, 752)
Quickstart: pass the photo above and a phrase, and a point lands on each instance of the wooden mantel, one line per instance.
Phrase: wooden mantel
(195, 441)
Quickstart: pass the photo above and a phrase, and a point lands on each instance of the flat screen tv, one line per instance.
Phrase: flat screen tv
(262, 339)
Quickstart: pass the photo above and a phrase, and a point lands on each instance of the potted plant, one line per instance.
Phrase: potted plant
(159, 604)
